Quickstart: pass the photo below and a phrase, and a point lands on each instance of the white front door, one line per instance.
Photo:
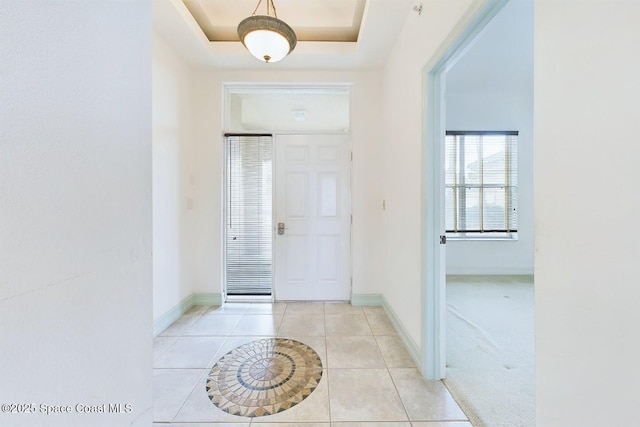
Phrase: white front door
(313, 212)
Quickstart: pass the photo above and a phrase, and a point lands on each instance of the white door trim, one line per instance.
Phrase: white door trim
(433, 363)
(231, 87)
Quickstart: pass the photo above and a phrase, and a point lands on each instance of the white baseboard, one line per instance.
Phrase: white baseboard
(491, 271)
(172, 315)
(207, 299)
(366, 300)
(182, 307)
(378, 300)
(409, 343)
(500, 278)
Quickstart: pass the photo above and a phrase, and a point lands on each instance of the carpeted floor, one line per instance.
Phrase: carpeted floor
(490, 349)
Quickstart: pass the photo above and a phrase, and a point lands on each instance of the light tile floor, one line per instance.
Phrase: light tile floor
(369, 377)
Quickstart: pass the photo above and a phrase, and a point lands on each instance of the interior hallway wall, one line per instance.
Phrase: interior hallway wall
(75, 210)
(365, 180)
(403, 95)
(491, 88)
(174, 157)
(587, 202)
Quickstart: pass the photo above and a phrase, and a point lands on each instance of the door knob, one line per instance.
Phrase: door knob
(281, 228)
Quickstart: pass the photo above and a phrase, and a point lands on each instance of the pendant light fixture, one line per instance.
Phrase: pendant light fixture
(267, 38)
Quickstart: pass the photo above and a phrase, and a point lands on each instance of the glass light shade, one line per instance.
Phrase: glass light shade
(267, 45)
(268, 39)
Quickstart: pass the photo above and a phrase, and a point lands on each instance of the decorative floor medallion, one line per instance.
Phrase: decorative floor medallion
(264, 377)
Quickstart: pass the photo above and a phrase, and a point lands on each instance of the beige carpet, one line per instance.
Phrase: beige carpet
(490, 349)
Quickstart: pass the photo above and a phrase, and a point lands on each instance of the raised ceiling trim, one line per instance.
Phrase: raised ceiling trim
(312, 20)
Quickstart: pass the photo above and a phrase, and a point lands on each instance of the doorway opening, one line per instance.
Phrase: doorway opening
(482, 202)
(287, 208)
(433, 216)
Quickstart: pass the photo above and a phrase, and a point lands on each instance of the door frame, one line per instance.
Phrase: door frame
(433, 263)
(229, 88)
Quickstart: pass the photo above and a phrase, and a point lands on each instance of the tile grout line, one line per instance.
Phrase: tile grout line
(404, 406)
(207, 369)
(189, 394)
(386, 365)
(230, 334)
(165, 350)
(195, 385)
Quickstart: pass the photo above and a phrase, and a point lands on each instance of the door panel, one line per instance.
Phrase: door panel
(297, 155)
(312, 200)
(328, 260)
(297, 254)
(328, 195)
(297, 189)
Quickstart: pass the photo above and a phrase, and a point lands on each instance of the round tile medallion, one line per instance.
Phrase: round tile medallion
(264, 377)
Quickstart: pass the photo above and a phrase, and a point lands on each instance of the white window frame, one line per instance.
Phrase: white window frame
(459, 186)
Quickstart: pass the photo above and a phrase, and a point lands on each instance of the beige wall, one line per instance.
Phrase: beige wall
(586, 205)
(75, 209)
(365, 192)
(401, 153)
(174, 147)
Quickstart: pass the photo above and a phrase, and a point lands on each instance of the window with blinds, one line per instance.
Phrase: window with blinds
(481, 184)
(248, 214)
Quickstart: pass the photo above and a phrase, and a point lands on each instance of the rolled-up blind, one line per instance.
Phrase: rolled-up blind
(249, 248)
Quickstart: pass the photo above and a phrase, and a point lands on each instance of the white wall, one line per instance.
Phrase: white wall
(491, 88)
(366, 194)
(587, 201)
(173, 183)
(75, 209)
(401, 153)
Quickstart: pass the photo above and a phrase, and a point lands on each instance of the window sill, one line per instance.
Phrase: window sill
(477, 237)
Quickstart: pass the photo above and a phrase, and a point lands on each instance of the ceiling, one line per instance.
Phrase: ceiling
(332, 34)
(501, 58)
(315, 21)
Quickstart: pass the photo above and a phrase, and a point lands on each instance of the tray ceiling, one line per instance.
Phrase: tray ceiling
(312, 20)
(332, 34)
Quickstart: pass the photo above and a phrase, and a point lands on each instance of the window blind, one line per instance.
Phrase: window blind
(249, 203)
(481, 182)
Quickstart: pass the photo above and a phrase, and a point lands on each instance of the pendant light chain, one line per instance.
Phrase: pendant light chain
(270, 5)
(257, 6)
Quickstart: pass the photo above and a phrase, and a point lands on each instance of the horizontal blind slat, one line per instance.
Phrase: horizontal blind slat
(249, 252)
(481, 181)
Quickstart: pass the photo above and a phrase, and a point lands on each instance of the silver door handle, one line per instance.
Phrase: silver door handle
(281, 228)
